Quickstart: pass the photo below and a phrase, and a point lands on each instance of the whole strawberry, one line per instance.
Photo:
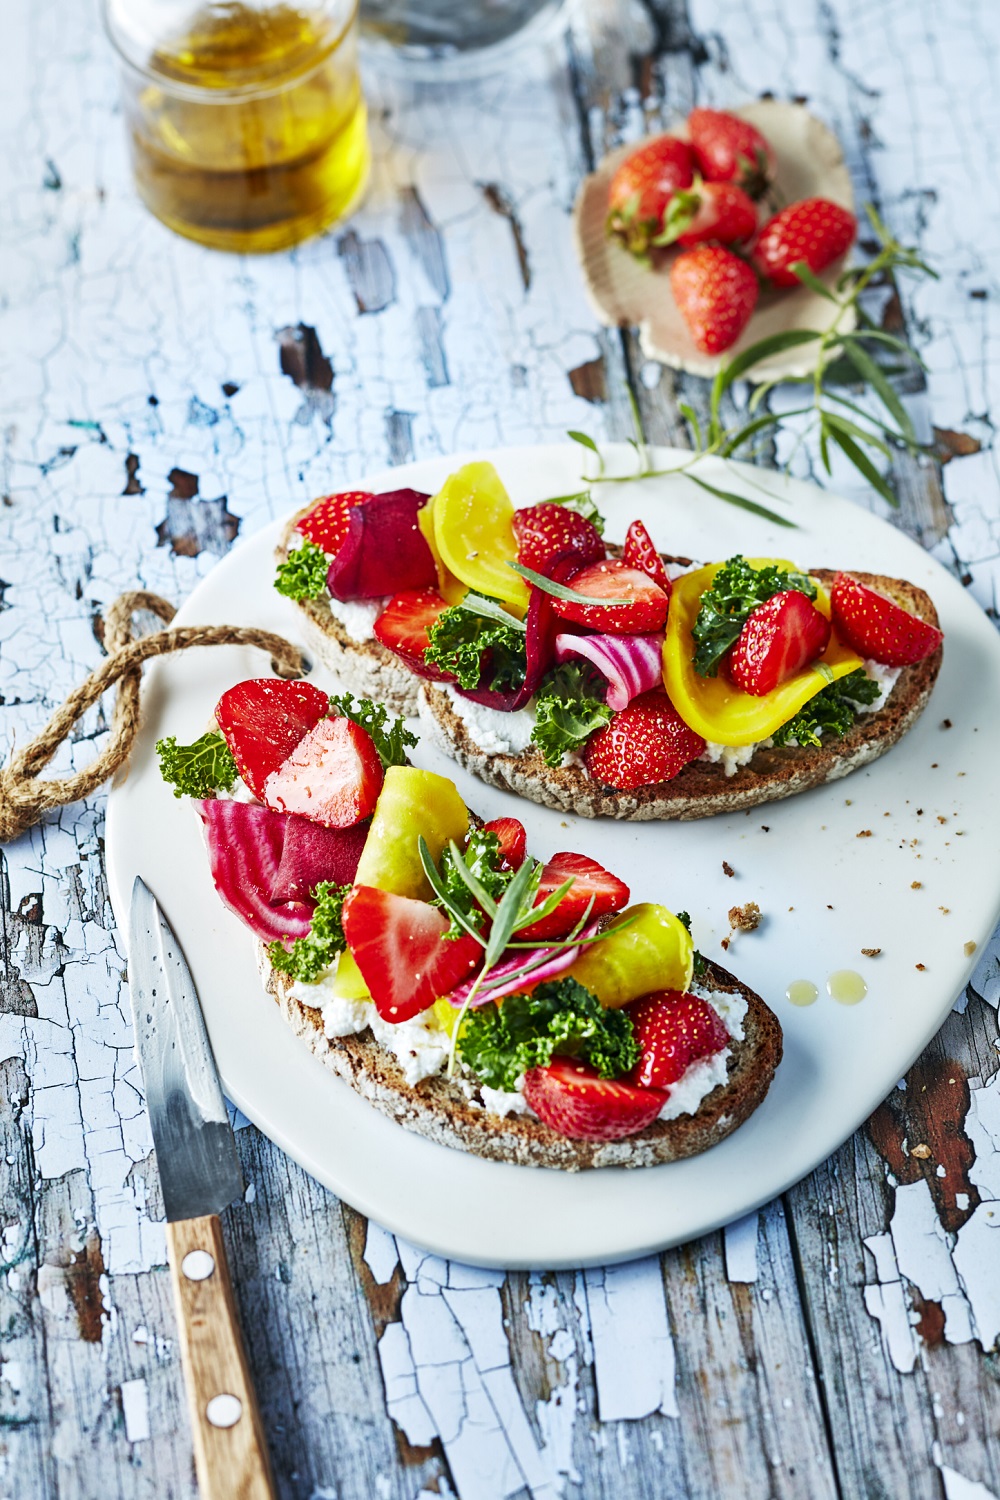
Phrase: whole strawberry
(728, 149)
(544, 531)
(716, 294)
(718, 211)
(646, 743)
(642, 188)
(814, 230)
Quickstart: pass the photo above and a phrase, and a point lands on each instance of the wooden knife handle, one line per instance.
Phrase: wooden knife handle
(230, 1451)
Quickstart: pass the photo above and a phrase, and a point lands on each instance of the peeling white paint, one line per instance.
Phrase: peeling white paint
(740, 1243)
(135, 1410)
(633, 1346)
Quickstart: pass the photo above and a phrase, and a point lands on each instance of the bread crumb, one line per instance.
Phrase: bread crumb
(921, 1152)
(945, 723)
(871, 952)
(970, 948)
(848, 802)
(829, 907)
(921, 967)
(934, 765)
(945, 909)
(916, 885)
(865, 833)
(727, 868)
(724, 945)
(766, 827)
(744, 918)
(920, 812)
(942, 819)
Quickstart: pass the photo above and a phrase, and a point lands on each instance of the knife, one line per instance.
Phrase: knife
(200, 1175)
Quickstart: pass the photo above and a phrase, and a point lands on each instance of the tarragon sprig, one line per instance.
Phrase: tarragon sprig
(511, 914)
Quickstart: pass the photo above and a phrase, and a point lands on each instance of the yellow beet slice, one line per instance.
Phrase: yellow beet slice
(472, 515)
(654, 952)
(449, 587)
(715, 707)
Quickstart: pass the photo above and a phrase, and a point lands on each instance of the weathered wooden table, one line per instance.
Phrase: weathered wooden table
(158, 401)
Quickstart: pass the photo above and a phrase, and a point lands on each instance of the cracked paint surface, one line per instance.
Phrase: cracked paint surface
(158, 401)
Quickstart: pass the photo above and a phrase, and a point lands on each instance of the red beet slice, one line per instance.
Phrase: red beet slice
(244, 849)
(384, 551)
(312, 853)
(542, 625)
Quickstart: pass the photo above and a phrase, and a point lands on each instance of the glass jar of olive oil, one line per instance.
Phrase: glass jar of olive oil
(246, 118)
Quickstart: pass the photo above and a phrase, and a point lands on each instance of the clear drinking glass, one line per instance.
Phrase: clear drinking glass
(246, 118)
(449, 38)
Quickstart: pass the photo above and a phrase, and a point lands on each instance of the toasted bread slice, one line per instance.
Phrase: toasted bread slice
(365, 667)
(442, 1110)
(702, 790)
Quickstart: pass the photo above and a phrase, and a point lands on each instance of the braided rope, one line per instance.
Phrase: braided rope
(23, 798)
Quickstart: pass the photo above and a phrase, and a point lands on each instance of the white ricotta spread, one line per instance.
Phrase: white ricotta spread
(732, 756)
(497, 1102)
(698, 1081)
(495, 732)
(358, 616)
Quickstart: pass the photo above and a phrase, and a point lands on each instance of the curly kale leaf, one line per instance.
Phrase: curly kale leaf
(482, 859)
(309, 956)
(303, 573)
(735, 592)
(460, 638)
(560, 1018)
(198, 769)
(832, 711)
(391, 740)
(569, 707)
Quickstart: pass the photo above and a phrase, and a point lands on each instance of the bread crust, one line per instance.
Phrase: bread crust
(702, 790)
(440, 1109)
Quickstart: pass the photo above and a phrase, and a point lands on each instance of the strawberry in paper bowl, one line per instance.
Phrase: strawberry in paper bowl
(517, 1009)
(692, 234)
(613, 681)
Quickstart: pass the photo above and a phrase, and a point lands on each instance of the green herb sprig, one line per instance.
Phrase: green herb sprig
(196, 770)
(392, 740)
(831, 711)
(569, 708)
(303, 573)
(308, 956)
(462, 635)
(726, 605)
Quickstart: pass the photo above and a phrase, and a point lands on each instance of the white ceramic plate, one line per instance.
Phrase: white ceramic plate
(921, 885)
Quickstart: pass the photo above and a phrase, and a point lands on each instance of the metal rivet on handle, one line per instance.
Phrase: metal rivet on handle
(198, 1265)
(224, 1410)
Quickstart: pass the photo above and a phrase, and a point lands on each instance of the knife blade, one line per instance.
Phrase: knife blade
(200, 1173)
(195, 1148)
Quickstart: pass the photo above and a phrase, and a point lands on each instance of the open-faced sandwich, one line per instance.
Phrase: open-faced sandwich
(603, 680)
(521, 1011)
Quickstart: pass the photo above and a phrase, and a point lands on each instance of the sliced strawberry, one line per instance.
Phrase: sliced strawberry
(263, 719)
(591, 882)
(640, 553)
(646, 743)
(401, 949)
(730, 149)
(876, 627)
(716, 293)
(645, 612)
(326, 523)
(814, 230)
(545, 531)
(333, 775)
(403, 628)
(574, 1100)
(780, 637)
(513, 840)
(673, 1031)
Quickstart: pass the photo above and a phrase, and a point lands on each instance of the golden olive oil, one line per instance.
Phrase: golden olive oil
(249, 130)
